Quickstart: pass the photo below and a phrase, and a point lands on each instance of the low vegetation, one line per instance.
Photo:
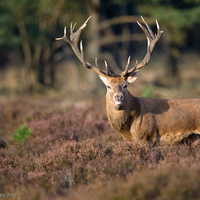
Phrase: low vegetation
(73, 153)
(21, 134)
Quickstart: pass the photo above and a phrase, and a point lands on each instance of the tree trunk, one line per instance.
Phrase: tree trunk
(92, 49)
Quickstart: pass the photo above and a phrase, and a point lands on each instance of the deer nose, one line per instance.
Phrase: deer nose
(119, 97)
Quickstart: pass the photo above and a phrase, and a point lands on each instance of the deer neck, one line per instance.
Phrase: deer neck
(121, 118)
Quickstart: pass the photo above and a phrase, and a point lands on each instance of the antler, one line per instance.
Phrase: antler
(73, 42)
(151, 41)
(74, 38)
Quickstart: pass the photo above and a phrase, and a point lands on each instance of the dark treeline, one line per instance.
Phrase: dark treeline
(28, 31)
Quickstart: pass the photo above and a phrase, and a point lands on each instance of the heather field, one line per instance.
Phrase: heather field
(55, 139)
(73, 153)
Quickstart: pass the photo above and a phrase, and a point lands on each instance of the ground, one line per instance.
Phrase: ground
(73, 153)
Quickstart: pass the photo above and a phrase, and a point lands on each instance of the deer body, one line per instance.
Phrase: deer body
(155, 120)
(141, 119)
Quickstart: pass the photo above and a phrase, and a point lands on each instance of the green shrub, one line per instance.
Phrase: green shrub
(148, 91)
(22, 133)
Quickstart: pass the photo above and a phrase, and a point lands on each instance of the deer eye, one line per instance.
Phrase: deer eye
(125, 86)
(109, 87)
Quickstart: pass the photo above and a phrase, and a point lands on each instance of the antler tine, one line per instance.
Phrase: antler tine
(107, 73)
(149, 29)
(126, 68)
(159, 32)
(144, 30)
(151, 41)
(65, 38)
(96, 63)
(72, 27)
(74, 36)
(82, 56)
(134, 69)
(106, 65)
(73, 41)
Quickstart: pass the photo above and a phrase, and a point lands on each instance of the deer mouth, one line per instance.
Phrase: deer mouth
(118, 101)
(118, 104)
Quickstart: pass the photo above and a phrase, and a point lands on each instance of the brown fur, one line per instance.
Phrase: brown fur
(152, 120)
(146, 119)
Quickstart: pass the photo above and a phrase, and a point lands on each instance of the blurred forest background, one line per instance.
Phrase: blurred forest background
(31, 60)
(55, 139)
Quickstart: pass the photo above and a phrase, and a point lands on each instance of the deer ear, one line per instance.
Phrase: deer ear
(133, 76)
(104, 79)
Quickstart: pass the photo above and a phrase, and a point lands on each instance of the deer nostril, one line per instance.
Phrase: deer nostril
(119, 97)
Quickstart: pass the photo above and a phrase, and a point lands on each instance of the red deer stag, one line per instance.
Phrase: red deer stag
(141, 118)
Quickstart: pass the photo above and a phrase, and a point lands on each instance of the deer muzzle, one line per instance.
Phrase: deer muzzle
(118, 99)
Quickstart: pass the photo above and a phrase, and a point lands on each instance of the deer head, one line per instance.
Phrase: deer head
(116, 84)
